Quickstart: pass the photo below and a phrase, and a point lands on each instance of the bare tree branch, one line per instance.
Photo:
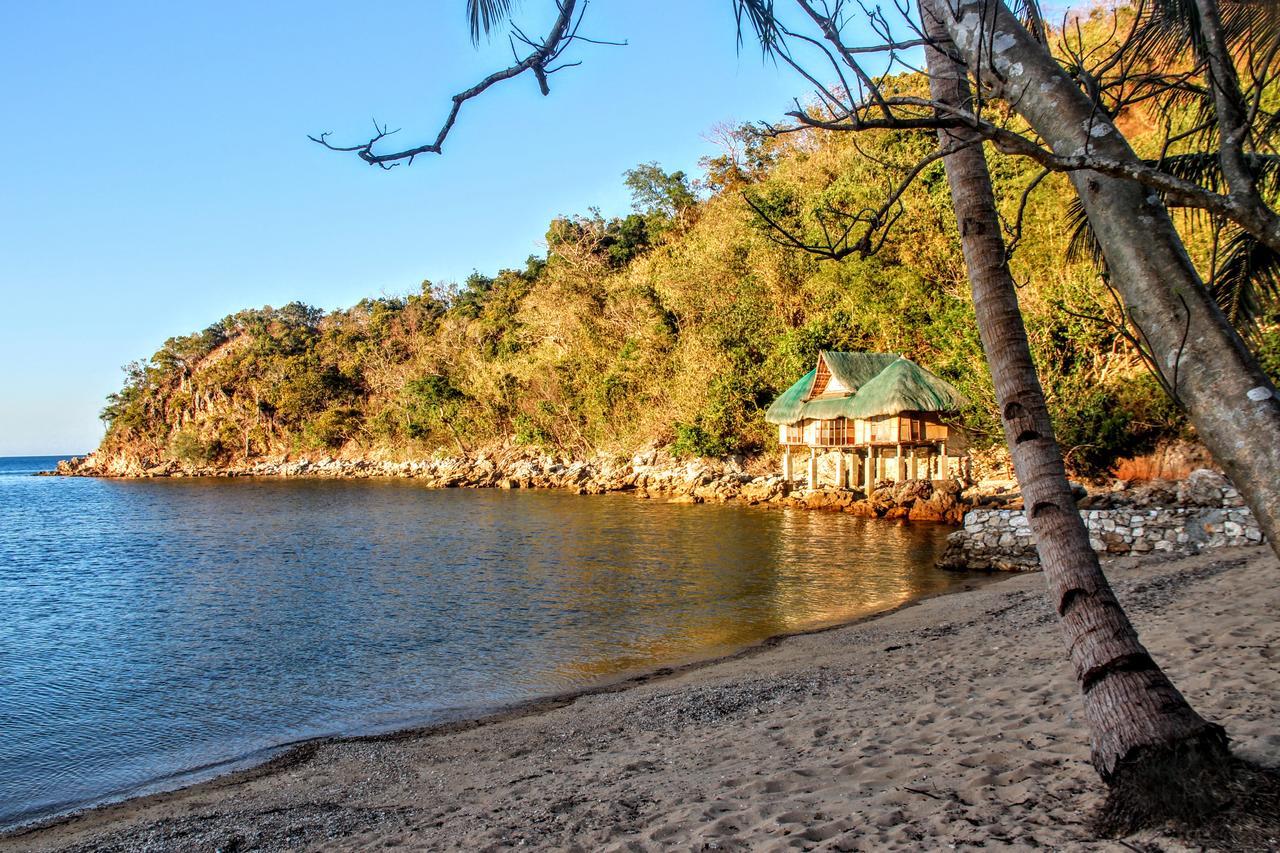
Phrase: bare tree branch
(539, 61)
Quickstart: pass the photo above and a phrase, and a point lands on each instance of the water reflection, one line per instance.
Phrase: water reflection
(149, 627)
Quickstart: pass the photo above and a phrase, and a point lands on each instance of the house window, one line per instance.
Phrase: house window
(833, 433)
(793, 434)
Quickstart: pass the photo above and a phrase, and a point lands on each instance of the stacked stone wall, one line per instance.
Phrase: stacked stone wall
(1002, 540)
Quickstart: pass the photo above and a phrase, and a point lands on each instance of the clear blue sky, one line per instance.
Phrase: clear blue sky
(157, 176)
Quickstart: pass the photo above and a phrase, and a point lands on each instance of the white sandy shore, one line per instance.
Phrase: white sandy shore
(949, 725)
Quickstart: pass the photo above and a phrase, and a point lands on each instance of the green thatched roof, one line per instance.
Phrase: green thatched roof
(905, 386)
(882, 384)
(856, 369)
(789, 408)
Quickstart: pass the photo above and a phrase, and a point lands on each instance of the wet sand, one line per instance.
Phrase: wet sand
(954, 722)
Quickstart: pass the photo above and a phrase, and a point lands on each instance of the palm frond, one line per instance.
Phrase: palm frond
(1246, 285)
(484, 15)
(1172, 27)
(1204, 169)
(1269, 128)
(1083, 244)
(1031, 16)
(1248, 280)
(760, 14)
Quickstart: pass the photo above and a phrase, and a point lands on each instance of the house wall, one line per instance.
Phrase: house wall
(922, 438)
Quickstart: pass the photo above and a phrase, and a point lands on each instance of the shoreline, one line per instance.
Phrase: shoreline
(283, 755)
(650, 474)
(823, 735)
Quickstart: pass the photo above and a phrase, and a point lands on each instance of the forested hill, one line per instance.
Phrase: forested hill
(675, 325)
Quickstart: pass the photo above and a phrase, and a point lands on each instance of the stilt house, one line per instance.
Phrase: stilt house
(866, 417)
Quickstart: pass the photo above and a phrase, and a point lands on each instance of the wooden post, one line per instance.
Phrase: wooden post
(902, 465)
(813, 468)
(943, 468)
(840, 482)
(869, 470)
(786, 463)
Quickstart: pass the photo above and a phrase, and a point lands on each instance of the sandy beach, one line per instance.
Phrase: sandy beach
(952, 724)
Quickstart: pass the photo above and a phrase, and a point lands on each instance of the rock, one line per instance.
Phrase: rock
(948, 487)
(1203, 487)
(925, 511)
(758, 491)
(863, 509)
(907, 493)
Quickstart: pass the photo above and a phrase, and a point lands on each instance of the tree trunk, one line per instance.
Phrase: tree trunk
(1231, 402)
(1133, 710)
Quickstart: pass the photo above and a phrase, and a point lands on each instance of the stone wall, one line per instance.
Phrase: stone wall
(1209, 514)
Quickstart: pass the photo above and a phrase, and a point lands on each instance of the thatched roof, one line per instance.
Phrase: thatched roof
(882, 384)
(789, 408)
(855, 369)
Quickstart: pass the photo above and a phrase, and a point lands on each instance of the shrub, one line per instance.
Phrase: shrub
(331, 429)
(188, 447)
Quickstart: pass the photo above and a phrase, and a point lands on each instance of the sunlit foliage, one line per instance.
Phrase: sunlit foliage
(675, 325)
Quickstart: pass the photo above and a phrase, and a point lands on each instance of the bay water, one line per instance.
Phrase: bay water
(156, 631)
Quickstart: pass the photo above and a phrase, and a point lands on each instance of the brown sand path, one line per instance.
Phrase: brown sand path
(949, 725)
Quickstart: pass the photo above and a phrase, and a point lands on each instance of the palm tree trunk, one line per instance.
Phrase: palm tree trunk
(1135, 714)
(1231, 402)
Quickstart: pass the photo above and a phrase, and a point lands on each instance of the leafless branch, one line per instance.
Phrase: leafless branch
(875, 224)
(540, 61)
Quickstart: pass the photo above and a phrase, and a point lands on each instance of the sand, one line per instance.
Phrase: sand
(952, 724)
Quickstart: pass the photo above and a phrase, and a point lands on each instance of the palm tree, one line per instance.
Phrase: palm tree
(1202, 359)
(1243, 270)
(1138, 720)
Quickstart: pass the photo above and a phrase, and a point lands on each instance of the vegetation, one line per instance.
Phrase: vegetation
(675, 325)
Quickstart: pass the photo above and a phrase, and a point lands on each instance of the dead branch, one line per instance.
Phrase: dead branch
(540, 61)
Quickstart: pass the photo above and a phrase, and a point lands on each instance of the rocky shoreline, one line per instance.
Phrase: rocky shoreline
(1156, 516)
(650, 474)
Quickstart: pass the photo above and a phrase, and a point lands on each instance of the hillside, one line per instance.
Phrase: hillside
(674, 326)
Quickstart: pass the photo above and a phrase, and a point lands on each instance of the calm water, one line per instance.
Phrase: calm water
(149, 628)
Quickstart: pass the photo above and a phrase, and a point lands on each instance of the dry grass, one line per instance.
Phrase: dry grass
(1173, 461)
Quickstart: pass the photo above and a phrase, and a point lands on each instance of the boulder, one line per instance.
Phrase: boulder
(761, 490)
(908, 492)
(1203, 487)
(863, 509)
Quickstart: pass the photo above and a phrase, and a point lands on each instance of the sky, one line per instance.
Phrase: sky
(155, 172)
